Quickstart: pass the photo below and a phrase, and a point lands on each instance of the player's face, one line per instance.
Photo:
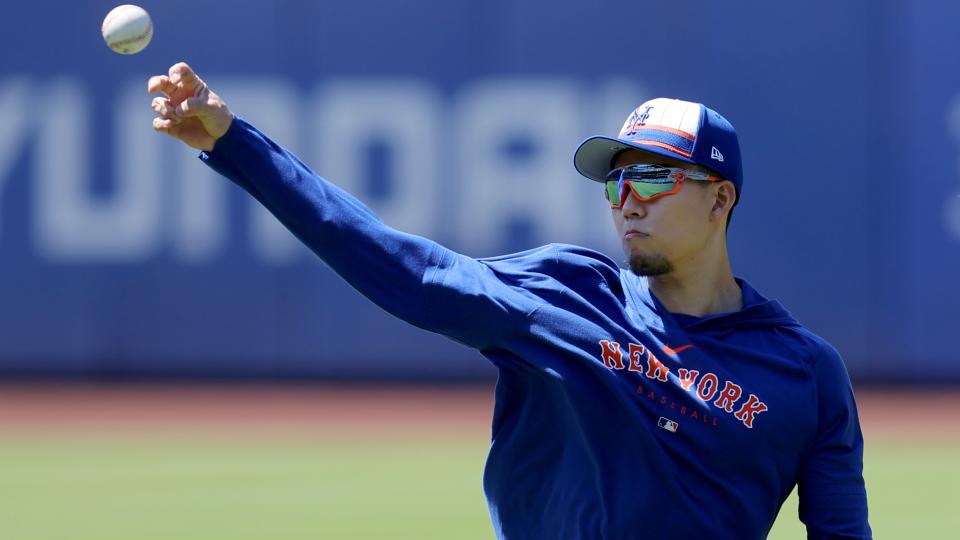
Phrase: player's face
(669, 232)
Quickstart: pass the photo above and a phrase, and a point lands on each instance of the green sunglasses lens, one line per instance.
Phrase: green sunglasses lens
(650, 187)
(613, 192)
(644, 189)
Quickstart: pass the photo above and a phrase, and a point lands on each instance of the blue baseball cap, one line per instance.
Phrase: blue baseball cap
(682, 130)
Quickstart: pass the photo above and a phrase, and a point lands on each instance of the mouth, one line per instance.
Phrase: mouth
(634, 234)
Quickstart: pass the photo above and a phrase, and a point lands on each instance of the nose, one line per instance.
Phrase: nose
(632, 208)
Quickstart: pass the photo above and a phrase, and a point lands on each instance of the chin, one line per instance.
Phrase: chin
(649, 264)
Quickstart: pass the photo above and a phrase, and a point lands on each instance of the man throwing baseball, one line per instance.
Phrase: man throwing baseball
(669, 400)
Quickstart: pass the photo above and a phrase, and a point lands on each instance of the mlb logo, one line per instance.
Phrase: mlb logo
(668, 425)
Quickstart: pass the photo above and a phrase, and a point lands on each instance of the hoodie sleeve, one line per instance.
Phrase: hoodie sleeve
(409, 276)
(833, 498)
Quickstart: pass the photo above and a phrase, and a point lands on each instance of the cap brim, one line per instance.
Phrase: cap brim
(593, 159)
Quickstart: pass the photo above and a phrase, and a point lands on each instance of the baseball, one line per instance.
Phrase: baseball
(127, 29)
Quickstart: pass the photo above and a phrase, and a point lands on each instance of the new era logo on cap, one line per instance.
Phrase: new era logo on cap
(715, 154)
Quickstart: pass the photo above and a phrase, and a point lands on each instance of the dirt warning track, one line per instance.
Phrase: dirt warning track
(325, 410)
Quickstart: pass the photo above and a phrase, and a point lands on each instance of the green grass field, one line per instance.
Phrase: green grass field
(240, 488)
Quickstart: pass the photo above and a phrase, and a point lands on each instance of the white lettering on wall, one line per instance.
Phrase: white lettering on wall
(501, 188)
(486, 170)
(14, 107)
(71, 222)
(602, 111)
(952, 215)
(399, 115)
(951, 207)
(198, 216)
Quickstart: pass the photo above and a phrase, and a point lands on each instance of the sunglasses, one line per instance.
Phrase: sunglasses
(648, 182)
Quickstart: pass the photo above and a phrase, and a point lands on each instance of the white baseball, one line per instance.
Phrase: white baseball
(127, 29)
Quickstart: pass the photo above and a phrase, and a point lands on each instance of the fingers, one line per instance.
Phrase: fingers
(163, 107)
(164, 125)
(189, 107)
(175, 106)
(180, 76)
(161, 83)
(187, 97)
(181, 73)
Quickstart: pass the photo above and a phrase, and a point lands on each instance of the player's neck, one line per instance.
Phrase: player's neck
(704, 286)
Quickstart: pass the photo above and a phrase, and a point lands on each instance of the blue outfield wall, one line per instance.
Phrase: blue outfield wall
(121, 254)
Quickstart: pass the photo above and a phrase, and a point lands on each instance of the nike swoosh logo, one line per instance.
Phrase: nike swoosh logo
(670, 350)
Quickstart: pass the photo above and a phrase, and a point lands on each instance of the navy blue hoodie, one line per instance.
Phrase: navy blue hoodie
(614, 418)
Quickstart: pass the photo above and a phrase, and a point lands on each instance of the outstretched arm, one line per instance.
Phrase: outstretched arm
(412, 277)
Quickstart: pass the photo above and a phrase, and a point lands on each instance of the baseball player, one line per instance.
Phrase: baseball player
(669, 400)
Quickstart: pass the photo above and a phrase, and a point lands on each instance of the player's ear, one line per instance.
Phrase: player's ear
(723, 200)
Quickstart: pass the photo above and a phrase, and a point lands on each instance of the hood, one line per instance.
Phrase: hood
(757, 311)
